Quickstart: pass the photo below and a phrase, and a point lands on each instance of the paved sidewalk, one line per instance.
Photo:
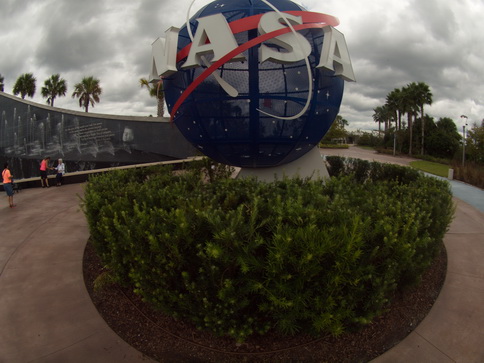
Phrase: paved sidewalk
(370, 155)
(453, 331)
(46, 314)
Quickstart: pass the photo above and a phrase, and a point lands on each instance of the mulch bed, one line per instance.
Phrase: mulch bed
(165, 339)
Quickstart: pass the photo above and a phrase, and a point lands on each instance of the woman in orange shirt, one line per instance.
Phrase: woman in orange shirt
(44, 166)
(7, 184)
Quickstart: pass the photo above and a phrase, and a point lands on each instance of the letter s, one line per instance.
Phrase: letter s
(296, 45)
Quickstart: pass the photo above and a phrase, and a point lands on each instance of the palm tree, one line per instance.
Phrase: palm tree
(155, 90)
(88, 92)
(409, 107)
(25, 85)
(53, 87)
(1, 83)
(394, 102)
(381, 115)
(423, 96)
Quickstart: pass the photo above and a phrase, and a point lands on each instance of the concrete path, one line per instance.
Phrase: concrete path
(370, 155)
(46, 314)
(453, 331)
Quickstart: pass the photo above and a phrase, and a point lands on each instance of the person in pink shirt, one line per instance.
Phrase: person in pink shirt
(7, 184)
(44, 166)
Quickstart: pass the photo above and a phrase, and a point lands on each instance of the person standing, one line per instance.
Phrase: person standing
(61, 169)
(7, 184)
(44, 166)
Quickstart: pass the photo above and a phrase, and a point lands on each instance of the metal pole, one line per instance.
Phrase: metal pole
(394, 142)
(464, 118)
(463, 144)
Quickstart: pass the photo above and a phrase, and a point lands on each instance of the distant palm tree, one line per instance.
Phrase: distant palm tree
(25, 85)
(156, 90)
(409, 106)
(53, 87)
(1, 83)
(387, 116)
(380, 116)
(423, 96)
(394, 102)
(88, 92)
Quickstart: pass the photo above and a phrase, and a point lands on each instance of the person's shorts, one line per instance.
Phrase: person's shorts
(8, 189)
(43, 174)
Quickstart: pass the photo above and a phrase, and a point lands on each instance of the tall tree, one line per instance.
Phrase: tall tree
(2, 85)
(475, 143)
(394, 102)
(337, 130)
(155, 90)
(409, 107)
(88, 92)
(423, 96)
(53, 87)
(444, 140)
(378, 117)
(25, 85)
(382, 114)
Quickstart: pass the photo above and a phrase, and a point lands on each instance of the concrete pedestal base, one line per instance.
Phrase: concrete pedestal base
(311, 165)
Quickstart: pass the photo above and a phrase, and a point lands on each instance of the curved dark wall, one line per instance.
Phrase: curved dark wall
(85, 141)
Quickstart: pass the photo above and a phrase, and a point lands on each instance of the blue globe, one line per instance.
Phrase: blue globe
(233, 130)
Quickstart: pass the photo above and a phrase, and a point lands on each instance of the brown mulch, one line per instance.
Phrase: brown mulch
(167, 340)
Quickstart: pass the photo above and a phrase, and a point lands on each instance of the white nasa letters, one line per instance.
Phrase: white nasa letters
(296, 45)
(163, 55)
(335, 55)
(221, 41)
(214, 37)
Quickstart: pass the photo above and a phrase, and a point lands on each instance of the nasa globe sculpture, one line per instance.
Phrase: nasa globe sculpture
(253, 83)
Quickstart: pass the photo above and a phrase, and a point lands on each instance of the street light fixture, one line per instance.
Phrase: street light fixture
(464, 119)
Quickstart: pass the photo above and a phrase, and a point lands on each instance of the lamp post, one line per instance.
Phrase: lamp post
(394, 142)
(464, 119)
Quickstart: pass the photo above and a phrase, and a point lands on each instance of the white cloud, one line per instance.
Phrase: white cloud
(391, 44)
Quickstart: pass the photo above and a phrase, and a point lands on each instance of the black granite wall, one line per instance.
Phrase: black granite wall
(85, 141)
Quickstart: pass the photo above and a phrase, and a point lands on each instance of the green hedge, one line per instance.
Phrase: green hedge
(363, 170)
(241, 257)
(334, 146)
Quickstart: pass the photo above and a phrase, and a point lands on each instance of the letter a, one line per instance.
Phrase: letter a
(213, 36)
(335, 56)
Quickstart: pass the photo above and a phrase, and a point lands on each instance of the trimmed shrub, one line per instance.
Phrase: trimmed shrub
(242, 257)
(369, 139)
(337, 165)
(364, 170)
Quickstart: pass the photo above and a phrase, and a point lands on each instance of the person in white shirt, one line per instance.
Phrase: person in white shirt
(61, 169)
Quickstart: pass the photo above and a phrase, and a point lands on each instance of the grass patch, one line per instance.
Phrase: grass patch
(430, 167)
(334, 146)
(364, 147)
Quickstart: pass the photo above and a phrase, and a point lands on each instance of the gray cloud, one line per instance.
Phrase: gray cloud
(391, 44)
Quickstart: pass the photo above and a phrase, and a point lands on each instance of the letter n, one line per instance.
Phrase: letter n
(213, 36)
(163, 55)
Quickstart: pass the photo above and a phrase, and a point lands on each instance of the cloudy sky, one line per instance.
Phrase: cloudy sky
(391, 43)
